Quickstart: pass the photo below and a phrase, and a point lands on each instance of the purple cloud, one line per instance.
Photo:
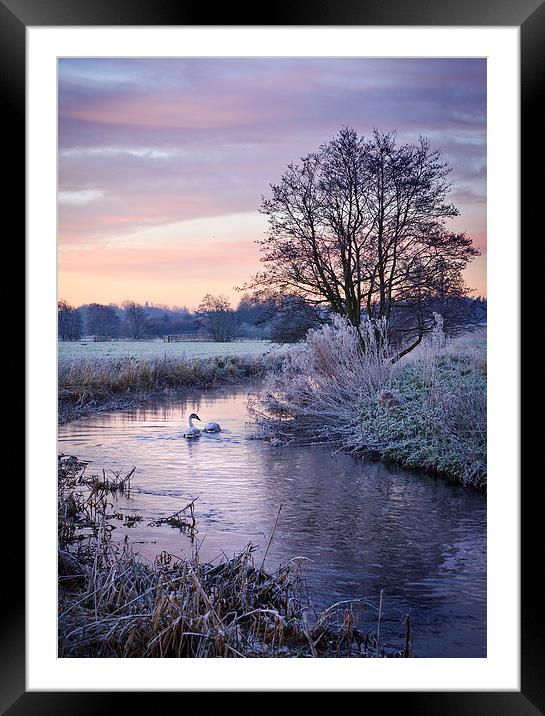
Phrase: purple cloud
(147, 142)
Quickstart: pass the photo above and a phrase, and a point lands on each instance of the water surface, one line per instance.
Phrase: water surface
(362, 526)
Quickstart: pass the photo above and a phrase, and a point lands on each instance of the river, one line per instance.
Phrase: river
(362, 526)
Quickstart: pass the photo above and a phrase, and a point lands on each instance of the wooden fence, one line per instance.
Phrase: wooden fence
(187, 338)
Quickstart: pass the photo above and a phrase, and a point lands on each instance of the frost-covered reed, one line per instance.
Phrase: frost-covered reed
(313, 392)
(426, 411)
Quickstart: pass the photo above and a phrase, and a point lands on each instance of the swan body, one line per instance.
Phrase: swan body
(212, 427)
(191, 431)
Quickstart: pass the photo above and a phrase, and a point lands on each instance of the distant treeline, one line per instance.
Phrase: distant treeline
(253, 318)
(283, 321)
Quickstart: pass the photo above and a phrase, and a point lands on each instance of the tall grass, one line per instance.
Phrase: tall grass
(427, 411)
(112, 604)
(88, 385)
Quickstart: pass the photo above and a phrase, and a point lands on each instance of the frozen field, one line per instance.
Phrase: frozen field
(159, 349)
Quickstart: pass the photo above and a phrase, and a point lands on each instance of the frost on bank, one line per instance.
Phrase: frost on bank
(427, 411)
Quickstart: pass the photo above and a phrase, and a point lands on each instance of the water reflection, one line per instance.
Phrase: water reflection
(364, 526)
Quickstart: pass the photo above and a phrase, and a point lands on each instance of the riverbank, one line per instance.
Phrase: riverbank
(91, 386)
(426, 412)
(114, 604)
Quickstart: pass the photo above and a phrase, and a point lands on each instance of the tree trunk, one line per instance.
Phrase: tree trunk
(413, 345)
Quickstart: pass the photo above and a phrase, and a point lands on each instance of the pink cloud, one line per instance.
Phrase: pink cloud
(165, 141)
(166, 273)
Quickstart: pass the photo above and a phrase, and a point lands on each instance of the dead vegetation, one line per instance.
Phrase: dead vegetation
(89, 386)
(183, 520)
(113, 604)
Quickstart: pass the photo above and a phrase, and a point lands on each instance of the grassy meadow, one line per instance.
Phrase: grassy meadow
(154, 349)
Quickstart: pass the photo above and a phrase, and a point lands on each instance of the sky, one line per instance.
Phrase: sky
(163, 162)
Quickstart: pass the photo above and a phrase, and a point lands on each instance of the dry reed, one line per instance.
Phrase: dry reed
(112, 604)
(87, 386)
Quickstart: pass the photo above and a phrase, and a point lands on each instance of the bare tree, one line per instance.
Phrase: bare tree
(69, 321)
(102, 320)
(361, 225)
(135, 317)
(217, 316)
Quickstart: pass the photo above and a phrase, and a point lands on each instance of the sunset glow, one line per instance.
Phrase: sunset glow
(162, 163)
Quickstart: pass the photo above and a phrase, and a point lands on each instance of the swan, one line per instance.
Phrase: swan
(212, 427)
(192, 431)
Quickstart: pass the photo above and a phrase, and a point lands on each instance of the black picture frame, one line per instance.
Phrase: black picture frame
(529, 15)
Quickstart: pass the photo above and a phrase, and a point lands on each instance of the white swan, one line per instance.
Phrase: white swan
(192, 431)
(212, 427)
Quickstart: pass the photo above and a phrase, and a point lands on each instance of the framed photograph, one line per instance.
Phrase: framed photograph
(273, 324)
